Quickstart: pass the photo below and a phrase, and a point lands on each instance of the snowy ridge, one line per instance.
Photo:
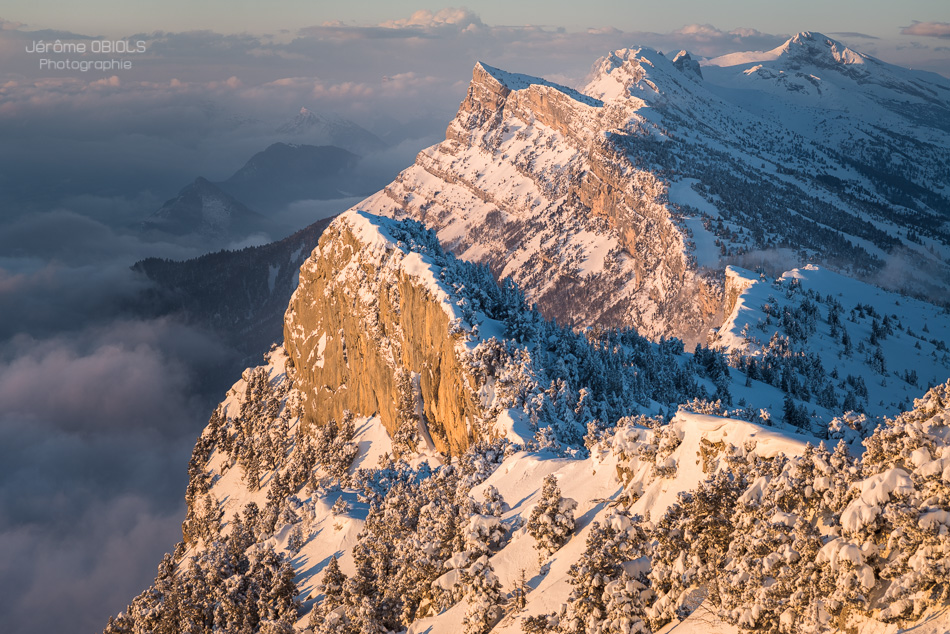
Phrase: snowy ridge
(487, 365)
(533, 174)
(803, 45)
(877, 349)
(375, 234)
(519, 81)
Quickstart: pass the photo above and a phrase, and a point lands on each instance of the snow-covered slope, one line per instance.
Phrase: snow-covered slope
(846, 100)
(876, 350)
(703, 524)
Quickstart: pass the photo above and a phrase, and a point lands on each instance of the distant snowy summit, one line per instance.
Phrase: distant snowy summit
(204, 209)
(319, 129)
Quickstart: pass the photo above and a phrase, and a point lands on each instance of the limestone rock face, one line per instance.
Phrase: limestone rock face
(535, 180)
(365, 308)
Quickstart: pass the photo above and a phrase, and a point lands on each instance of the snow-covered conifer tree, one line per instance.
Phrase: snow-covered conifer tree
(484, 597)
(552, 520)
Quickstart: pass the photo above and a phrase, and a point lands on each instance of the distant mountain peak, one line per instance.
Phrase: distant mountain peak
(686, 64)
(203, 208)
(820, 49)
(331, 129)
(286, 172)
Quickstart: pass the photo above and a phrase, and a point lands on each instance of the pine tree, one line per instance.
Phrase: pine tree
(332, 585)
(406, 436)
(484, 597)
(519, 595)
(296, 540)
(552, 520)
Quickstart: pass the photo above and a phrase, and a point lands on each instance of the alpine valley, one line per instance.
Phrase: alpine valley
(663, 353)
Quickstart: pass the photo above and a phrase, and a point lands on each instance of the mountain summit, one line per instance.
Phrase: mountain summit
(285, 172)
(203, 208)
(317, 129)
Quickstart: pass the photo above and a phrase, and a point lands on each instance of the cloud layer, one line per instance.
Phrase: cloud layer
(101, 399)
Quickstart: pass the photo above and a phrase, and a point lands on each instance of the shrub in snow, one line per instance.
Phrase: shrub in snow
(481, 460)
(333, 622)
(552, 519)
(483, 533)
(668, 439)
(540, 624)
(851, 427)
(493, 503)
(623, 607)
(340, 507)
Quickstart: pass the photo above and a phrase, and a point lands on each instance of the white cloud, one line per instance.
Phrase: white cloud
(456, 19)
(928, 29)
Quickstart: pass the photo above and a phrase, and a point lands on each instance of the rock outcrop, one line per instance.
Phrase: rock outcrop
(368, 307)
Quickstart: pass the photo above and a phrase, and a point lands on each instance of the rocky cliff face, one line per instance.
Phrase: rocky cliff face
(368, 307)
(533, 180)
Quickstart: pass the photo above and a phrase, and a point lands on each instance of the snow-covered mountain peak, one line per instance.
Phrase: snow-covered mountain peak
(819, 50)
(641, 76)
(330, 129)
(629, 72)
(686, 64)
(520, 81)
